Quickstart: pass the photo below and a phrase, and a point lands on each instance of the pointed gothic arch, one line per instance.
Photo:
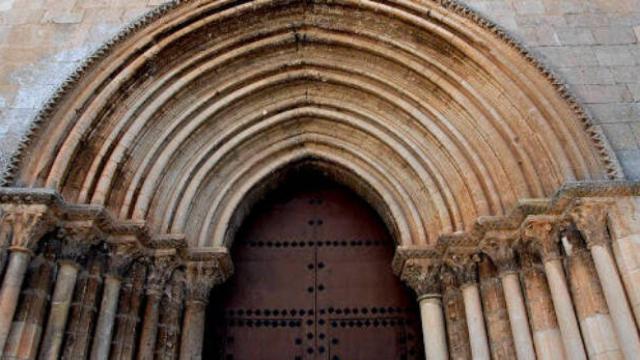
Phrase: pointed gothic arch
(445, 117)
(160, 143)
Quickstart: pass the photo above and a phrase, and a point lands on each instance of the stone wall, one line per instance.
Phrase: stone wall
(592, 44)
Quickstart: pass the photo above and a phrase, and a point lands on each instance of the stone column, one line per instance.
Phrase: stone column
(128, 318)
(465, 269)
(201, 277)
(77, 240)
(27, 224)
(593, 314)
(540, 232)
(160, 271)
(120, 258)
(84, 309)
(624, 226)
(28, 322)
(591, 221)
(495, 312)
(167, 344)
(454, 314)
(546, 333)
(423, 276)
(501, 251)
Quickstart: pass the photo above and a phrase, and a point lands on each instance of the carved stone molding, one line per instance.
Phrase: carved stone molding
(448, 279)
(26, 224)
(77, 239)
(423, 276)
(464, 266)
(201, 277)
(500, 246)
(120, 258)
(160, 271)
(590, 218)
(540, 234)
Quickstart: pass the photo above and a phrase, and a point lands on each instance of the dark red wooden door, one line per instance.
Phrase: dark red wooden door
(313, 281)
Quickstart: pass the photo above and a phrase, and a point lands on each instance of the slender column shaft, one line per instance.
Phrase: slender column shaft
(159, 273)
(201, 277)
(475, 322)
(595, 321)
(10, 291)
(125, 339)
(546, 334)
(564, 310)
(193, 331)
(625, 234)
(616, 300)
(122, 321)
(167, 344)
(433, 328)
(149, 327)
(456, 324)
(129, 339)
(106, 318)
(518, 316)
(495, 312)
(82, 313)
(26, 330)
(59, 313)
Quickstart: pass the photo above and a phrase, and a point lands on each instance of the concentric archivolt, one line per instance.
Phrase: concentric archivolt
(422, 105)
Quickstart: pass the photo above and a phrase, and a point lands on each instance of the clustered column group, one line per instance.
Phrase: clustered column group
(71, 291)
(548, 289)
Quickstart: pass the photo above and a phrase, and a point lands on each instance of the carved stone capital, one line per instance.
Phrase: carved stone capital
(77, 239)
(464, 266)
(448, 279)
(159, 273)
(26, 224)
(541, 235)
(500, 247)
(121, 257)
(423, 276)
(201, 277)
(590, 219)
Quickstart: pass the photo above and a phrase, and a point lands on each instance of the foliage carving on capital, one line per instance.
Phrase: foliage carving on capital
(541, 235)
(160, 271)
(121, 257)
(77, 239)
(500, 246)
(201, 277)
(464, 266)
(423, 276)
(24, 225)
(590, 219)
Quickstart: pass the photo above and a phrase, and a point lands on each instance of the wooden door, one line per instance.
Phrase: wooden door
(313, 281)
